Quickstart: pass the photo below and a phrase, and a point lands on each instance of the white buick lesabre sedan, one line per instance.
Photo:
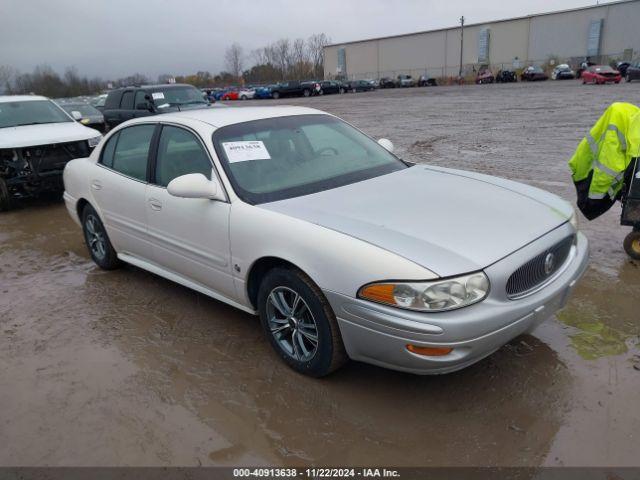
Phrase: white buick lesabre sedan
(344, 250)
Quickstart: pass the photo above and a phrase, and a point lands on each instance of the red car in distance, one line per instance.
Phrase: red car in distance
(600, 74)
(230, 95)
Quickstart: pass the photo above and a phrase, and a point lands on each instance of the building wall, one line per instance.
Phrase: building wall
(530, 40)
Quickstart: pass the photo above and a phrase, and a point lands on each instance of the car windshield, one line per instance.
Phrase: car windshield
(30, 112)
(535, 69)
(603, 69)
(85, 109)
(277, 158)
(176, 96)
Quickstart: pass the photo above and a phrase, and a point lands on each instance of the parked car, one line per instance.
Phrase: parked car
(405, 81)
(246, 93)
(622, 67)
(386, 82)
(425, 81)
(231, 94)
(277, 211)
(563, 72)
(633, 72)
(484, 76)
(123, 104)
(506, 76)
(263, 92)
(37, 139)
(89, 115)
(533, 74)
(359, 86)
(331, 86)
(601, 74)
(210, 94)
(294, 89)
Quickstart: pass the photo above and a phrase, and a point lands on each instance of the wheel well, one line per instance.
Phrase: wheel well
(258, 271)
(80, 207)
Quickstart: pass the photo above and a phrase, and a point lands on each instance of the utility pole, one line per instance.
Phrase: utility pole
(461, 44)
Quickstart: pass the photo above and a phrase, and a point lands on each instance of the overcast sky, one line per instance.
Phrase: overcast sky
(115, 38)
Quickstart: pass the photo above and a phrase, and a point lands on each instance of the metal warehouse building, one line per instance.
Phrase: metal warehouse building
(602, 32)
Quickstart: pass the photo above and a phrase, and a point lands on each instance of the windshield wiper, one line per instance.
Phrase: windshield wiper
(30, 123)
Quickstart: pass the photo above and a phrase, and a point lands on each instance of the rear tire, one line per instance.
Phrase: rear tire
(306, 336)
(5, 196)
(632, 244)
(97, 240)
(275, 95)
(306, 93)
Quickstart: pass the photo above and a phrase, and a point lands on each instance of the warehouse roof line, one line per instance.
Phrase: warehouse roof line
(523, 17)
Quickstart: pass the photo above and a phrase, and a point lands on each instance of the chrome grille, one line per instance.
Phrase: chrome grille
(539, 269)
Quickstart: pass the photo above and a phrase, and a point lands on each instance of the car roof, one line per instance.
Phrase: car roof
(220, 117)
(20, 98)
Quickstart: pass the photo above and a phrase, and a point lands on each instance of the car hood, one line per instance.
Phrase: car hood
(448, 221)
(45, 134)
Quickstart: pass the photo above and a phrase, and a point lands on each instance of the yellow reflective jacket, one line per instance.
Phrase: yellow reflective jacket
(604, 154)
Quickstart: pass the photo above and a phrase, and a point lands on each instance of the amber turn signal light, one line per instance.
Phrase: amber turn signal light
(429, 351)
(379, 292)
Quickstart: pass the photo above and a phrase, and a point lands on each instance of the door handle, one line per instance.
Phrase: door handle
(96, 185)
(155, 204)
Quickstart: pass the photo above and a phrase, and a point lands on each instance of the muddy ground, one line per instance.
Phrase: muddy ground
(125, 368)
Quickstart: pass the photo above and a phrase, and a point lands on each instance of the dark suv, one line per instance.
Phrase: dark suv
(123, 104)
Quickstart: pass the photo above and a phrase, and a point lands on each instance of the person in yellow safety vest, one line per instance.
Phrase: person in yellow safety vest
(599, 164)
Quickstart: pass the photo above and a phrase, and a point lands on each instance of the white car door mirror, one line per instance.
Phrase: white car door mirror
(386, 144)
(76, 115)
(194, 185)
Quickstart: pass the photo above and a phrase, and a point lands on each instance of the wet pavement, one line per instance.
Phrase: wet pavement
(126, 368)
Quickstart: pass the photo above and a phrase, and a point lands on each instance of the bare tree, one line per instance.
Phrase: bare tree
(316, 44)
(7, 75)
(282, 52)
(233, 59)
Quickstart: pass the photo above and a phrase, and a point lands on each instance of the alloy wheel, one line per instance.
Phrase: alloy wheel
(292, 324)
(95, 235)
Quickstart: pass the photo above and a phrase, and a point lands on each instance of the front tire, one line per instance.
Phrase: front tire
(97, 240)
(275, 95)
(299, 323)
(632, 244)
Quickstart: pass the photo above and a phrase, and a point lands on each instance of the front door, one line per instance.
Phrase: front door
(190, 236)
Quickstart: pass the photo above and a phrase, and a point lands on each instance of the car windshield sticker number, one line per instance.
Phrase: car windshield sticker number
(245, 151)
(157, 96)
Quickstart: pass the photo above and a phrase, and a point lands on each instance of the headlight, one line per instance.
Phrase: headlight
(573, 220)
(432, 296)
(93, 142)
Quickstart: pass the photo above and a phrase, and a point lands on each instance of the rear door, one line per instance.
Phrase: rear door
(126, 106)
(119, 184)
(190, 235)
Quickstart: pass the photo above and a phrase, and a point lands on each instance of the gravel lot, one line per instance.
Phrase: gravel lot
(126, 368)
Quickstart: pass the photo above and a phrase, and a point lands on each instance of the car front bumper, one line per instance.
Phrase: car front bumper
(379, 334)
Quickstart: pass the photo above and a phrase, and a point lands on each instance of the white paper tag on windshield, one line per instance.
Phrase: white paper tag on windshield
(157, 96)
(245, 151)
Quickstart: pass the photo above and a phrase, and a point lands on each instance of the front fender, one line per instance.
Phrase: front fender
(334, 261)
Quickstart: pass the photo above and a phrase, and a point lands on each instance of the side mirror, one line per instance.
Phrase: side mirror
(194, 185)
(386, 144)
(76, 115)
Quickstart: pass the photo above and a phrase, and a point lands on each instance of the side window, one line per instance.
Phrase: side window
(140, 102)
(113, 100)
(132, 151)
(127, 100)
(180, 153)
(106, 157)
